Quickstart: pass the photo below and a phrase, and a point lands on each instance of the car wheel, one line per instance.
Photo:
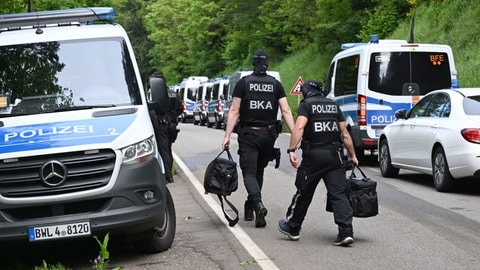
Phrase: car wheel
(385, 161)
(442, 179)
(162, 236)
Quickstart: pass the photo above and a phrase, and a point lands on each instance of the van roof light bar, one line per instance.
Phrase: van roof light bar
(81, 15)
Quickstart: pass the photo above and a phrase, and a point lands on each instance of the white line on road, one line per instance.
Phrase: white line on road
(262, 259)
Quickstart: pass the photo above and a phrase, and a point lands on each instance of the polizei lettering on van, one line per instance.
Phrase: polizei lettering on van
(30, 133)
(63, 134)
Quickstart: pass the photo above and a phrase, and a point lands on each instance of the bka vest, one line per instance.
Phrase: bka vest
(260, 103)
(323, 121)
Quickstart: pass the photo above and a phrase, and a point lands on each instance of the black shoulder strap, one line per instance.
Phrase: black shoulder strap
(231, 221)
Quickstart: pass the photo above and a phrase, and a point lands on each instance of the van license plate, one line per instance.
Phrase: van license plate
(59, 231)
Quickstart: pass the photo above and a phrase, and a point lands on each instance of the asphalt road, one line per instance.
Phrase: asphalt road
(417, 227)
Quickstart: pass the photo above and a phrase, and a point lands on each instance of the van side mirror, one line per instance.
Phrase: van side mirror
(159, 95)
(401, 114)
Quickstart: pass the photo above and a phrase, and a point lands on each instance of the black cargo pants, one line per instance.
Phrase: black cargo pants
(321, 163)
(255, 148)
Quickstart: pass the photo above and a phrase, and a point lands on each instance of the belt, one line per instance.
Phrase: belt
(258, 128)
(322, 144)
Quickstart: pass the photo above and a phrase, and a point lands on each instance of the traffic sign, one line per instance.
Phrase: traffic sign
(297, 87)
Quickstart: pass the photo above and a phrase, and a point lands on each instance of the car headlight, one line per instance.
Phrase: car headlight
(139, 152)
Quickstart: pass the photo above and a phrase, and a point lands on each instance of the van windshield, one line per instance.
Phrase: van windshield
(397, 73)
(44, 77)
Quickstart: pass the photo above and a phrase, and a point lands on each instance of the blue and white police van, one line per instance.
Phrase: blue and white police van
(78, 156)
(188, 94)
(370, 81)
(204, 95)
(216, 106)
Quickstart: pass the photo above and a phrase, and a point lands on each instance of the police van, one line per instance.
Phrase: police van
(216, 106)
(188, 94)
(370, 81)
(78, 156)
(233, 79)
(204, 94)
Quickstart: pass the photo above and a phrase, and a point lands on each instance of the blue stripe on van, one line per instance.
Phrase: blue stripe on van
(63, 134)
(382, 116)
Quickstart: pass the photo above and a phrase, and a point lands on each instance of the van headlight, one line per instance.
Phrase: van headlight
(139, 152)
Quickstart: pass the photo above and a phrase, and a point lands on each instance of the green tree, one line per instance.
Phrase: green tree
(383, 19)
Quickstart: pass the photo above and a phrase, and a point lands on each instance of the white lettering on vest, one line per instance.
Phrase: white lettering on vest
(260, 105)
(258, 87)
(326, 126)
(324, 108)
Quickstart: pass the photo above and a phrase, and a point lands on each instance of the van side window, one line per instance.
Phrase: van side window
(191, 93)
(346, 76)
(215, 91)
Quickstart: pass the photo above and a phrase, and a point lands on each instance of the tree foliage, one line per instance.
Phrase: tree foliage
(209, 37)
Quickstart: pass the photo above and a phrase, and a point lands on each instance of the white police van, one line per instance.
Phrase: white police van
(216, 106)
(370, 81)
(78, 156)
(204, 95)
(188, 94)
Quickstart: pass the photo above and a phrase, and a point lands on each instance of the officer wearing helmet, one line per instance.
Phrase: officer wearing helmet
(165, 127)
(256, 100)
(322, 130)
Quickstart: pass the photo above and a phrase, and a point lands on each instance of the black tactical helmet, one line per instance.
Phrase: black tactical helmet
(312, 88)
(260, 59)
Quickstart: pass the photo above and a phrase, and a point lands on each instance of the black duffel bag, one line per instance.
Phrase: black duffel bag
(221, 178)
(362, 194)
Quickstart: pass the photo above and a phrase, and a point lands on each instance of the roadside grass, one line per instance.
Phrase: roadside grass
(101, 262)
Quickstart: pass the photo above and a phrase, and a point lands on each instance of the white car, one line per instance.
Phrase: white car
(439, 136)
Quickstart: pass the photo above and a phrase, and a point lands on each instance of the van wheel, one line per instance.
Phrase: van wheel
(386, 168)
(442, 179)
(163, 235)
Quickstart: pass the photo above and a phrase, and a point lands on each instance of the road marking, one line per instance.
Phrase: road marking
(260, 257)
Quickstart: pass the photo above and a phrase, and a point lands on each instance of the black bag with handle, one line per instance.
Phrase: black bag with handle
(362, 194)
(221, 178)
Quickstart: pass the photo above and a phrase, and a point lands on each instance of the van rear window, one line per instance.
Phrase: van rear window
(391, 72)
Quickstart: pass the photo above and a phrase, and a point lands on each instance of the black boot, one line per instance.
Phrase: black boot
(248, 210)
(260, 213)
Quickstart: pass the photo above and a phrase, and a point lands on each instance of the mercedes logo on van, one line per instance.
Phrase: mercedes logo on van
(53, 173)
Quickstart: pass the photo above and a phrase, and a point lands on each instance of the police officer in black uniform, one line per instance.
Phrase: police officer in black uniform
(165, 126)
(256, 99)
(322, 126)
